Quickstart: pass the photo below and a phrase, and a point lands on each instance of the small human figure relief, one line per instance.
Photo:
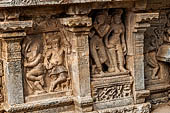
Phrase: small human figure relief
(157, 48)
(115, 43)
(97, 46)
(55, 61)
(33, 64)
(150, 51)
(107, 43)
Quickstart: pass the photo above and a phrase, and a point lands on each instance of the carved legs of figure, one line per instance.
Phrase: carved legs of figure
(35, 75)
(62, 77)
(39, 85)
(152, 61)
(120, 58)
(113, 67)
(98, 53)
(155, 71)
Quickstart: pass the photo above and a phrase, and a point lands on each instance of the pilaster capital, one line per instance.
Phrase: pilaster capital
(77, 23)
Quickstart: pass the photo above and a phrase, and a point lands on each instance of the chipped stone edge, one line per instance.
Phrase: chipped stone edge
(139, 107)
(15, 3)
(39, 105)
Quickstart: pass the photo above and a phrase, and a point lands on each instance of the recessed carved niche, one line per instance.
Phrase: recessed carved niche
(107, 43)
(45, 62)
(111, 80)
(156, 57)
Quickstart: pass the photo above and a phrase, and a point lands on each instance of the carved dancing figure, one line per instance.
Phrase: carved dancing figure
(97, 47)
(33, 63)
(54, 62)
(115, 43)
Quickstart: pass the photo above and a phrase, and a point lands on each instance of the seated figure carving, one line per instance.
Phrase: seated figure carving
(54, 63)
(97, 47)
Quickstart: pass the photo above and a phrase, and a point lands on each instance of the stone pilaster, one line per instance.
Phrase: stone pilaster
(11, 36)
(78, 28)
(136, 29)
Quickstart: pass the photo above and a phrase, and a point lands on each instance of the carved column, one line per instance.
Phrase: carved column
(11, 35)
(78, 28)
(135, 33)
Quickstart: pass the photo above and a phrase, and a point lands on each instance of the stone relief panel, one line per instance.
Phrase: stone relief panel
(156, 47)
(111, 93)
(33, 64)
(45, 60)
(156, 53)
(56, 62)
(150, 49)
(107, 43)
(110, 79)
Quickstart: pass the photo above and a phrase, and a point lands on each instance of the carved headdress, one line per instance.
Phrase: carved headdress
(103, 13)
(117, 12)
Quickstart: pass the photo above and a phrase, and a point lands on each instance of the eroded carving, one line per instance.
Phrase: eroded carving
(113, 92)
(33, 64)
(156, 46)
(46, 63)
(156, 58)
(144, 108)
(163, 51)
(150, 50)
(107, 43)
(115, 43)
(97, 46)
(54, 60)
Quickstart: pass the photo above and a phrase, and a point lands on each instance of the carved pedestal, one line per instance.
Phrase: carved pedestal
(113, 91)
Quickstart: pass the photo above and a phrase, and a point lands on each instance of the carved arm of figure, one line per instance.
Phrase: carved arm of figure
(61, 53)
(47, 64)
(106, 39)
(104, 32)
(122, 37)
(94, 53)
(91, 34)
(34, 63)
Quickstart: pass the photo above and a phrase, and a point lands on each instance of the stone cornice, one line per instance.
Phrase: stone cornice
(14, 3)
(15, 25)
(49, 103)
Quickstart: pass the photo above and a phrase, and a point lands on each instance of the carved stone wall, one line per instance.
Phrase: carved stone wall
(80, 56)
(156, 59)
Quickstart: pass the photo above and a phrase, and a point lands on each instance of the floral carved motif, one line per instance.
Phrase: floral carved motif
(113, 92)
